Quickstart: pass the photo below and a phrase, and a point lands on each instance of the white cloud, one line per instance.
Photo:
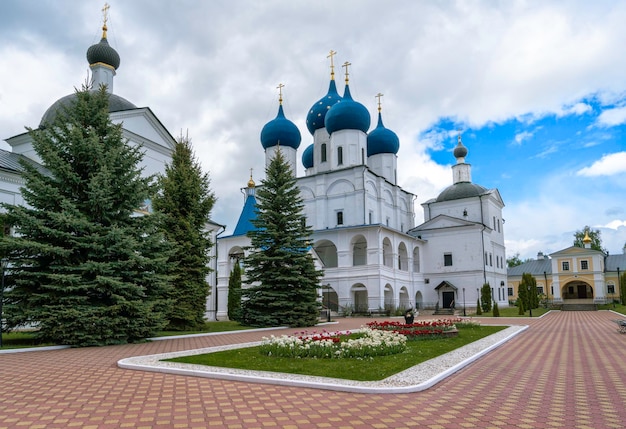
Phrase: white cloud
(608, 165)
(612, 117)
(524, 135)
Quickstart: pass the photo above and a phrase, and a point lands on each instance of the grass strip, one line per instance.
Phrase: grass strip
(371, 369)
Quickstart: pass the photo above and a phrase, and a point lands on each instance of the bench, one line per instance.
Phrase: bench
(378, 312)
(621, 326)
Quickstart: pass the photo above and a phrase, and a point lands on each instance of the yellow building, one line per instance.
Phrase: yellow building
(572, 275)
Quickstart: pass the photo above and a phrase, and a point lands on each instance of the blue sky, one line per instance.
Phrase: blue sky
(538, 90)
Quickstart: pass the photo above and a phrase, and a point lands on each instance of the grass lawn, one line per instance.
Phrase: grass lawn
(372, 369)
(619, 308)
(24, 339)
(512, 312)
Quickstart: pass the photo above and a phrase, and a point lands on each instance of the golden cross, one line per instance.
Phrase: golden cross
(280, 92)
(346, 64)
(331, 54)
(251, 173)
(105, 10)
(379, 95)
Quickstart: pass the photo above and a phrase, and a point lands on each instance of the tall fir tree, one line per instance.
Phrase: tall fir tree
(186, 200)
(528, 289)
(234, 293)
(85, 270)
(485, 298)
(279, 268)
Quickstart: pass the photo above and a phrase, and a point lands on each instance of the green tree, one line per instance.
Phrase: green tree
(594, 235)
(234, 293)
(528, 291)
(496, 310)
(280, 269)
(622, 288)
(85, 269)
(479, 311)
(520, 307)
(485, 298)
(514, 261)
(186, 200)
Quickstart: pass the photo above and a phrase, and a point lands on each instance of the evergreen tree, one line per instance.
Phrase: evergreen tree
(280, 270)
(478, 309)
(186, 201)
(520, 306)
(485, 298)
(622, 288)
(527, 292)
(234, 293)
(85, 269)
(496, 310)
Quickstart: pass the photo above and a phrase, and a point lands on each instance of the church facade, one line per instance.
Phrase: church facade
(365, 239)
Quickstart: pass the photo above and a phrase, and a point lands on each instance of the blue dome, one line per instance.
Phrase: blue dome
(382, 140)
(347, 114)
(280, 131)
(307, 156)
(317, 113)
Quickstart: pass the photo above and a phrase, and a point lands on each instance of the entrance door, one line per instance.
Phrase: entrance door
(448, 297)
(582, 291)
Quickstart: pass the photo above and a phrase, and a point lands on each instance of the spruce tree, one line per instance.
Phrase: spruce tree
(186, 201)
(85, 269)
(496, 310)
(478, 309)
(279, 268)
(234, 293)
(485, 298)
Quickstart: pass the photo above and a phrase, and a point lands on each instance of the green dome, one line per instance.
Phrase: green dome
(461, 190)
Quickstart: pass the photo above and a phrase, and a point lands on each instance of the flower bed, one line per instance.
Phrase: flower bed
(419, 329)
(364, 344)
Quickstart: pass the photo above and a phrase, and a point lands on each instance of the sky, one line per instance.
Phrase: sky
(536, 88)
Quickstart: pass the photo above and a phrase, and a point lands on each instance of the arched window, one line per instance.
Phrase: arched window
(340, 155)
(323, 152)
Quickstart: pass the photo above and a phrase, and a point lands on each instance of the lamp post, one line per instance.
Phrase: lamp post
(3, 265)
(619, 286)
(530, 306)
(464, 302)
(328, 303)
(545, 276)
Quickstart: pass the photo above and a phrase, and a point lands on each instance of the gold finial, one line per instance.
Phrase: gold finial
(331, 54)
(105, 11)
(280, 93)
(346, 64)
(378, 96)
(459, 136)
(587, 239)
(251, 183)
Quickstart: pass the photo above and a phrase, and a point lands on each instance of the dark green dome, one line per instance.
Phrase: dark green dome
(461, 190)
(116, 104)
(103, 53)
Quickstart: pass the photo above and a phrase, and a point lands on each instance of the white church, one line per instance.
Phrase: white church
(374, 257)
(365, 239)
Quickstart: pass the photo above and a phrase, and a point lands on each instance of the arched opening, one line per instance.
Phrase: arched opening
(418, 300)
(405, 302)
(359, 298)
(235, 256)
(389, 301)
(416, 260)
(359, 250)
(577, 289)
(327, 252)
(387, 253)
(330, 299)
(323, 153)
(403, 257)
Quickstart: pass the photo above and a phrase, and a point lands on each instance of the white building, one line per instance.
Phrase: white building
(373, 255)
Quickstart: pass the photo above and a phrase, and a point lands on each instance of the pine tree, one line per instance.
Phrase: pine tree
(84, 268)
(622, 288)
(496, 310)
(186, 201)
(478, 309)
(280, 270)
(485, 297)
(527, 291)
(234, 294)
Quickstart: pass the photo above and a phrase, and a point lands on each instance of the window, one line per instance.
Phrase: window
(494, 224)
(584, 265)
(490, 260)
(610, 289)
(447, 259)
(540, 290)
(339, 155)
(565, 266)
(371, 216)
(387, 221)
(486, 259)
(323, 152)
(510, 291)
(498, 225)
(339, 218)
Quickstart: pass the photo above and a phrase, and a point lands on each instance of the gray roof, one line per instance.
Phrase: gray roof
(11, 161)
(116, 104)
(461, 190)
(616, 261)
(536, 267)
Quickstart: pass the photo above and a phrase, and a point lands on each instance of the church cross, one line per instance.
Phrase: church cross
(331, 54)
(346, 64)
(379, 96)
(280, 92)
(105, 11)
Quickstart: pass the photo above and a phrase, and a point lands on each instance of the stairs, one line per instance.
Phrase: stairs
(444, 312)
(579, 307)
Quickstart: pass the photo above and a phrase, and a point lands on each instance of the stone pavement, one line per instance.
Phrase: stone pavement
(567, 371)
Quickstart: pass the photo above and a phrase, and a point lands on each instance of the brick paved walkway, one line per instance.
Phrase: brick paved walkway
(567, 371)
